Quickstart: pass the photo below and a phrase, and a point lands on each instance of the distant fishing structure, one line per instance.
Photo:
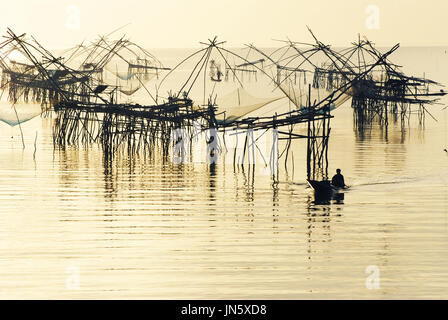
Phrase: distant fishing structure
(379, 90)
(213, 100)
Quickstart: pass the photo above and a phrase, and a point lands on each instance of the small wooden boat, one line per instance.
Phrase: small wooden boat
(324, 188)
(321, 188)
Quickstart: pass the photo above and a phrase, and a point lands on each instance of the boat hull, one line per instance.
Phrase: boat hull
(321, 188)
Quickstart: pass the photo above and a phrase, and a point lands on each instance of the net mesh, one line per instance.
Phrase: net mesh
(19, 113)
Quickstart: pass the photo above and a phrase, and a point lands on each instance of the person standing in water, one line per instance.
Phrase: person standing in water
(338, 179)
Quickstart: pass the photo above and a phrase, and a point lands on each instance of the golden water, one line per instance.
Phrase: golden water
(73, 225)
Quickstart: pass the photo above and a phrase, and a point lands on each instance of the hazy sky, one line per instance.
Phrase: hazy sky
(175, 23)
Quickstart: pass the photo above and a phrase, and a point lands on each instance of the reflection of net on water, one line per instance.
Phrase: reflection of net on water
(15, 114)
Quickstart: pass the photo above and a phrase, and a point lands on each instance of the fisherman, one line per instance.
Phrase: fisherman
(338, 179)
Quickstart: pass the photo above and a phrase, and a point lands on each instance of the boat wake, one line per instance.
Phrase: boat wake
(380, 181)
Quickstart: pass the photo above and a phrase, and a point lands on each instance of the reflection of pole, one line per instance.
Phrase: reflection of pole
(274, 152)
(308, 151)
(326, 144)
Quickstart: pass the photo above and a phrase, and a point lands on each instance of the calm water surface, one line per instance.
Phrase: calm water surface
(74, 225)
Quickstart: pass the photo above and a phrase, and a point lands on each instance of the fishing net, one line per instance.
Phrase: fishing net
(239, 103)
(299, 97)
(130, 74)
(19, 113)
(128, 80)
